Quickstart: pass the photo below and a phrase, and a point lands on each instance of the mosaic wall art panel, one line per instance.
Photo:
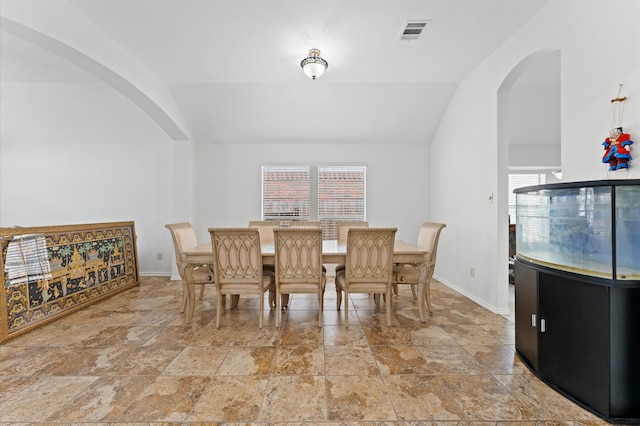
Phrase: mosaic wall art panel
(51, 271)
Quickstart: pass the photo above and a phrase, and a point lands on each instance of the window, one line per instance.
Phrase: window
(324, 193)
(520, 180)
(285, 193)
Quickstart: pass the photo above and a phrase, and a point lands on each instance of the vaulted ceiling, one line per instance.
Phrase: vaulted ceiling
(233, 66)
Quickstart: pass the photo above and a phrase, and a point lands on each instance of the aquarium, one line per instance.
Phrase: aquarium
(590, 228)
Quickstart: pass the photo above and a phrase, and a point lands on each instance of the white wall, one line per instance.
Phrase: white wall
(82, 153)
(595, 59)
(397, 190)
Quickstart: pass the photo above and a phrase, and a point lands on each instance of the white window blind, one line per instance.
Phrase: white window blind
(285, 192)
(340, 192)
(520, 180)
(341, 196)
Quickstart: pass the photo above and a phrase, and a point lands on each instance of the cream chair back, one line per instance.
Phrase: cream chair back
(344, 225)
(298, 253)
(183, 237)
(368, 266)
(237, 262)
(428, 238)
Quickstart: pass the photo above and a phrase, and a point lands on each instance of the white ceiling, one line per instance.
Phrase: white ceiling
(233, 66)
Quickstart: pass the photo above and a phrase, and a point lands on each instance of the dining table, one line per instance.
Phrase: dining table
(333, 252)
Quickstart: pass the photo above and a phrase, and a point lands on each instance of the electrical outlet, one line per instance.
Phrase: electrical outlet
(472, 272)
(159, 256)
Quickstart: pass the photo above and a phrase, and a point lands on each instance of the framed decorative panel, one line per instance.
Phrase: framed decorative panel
(52, 271)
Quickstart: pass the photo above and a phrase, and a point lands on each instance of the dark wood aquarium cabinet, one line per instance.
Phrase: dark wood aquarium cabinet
(577, 292)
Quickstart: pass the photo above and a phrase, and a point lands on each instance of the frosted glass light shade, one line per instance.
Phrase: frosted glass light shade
(313, 65)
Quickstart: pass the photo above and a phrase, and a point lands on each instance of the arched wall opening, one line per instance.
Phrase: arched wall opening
(528, 132)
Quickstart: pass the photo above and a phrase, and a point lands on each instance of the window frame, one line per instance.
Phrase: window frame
(355, 207)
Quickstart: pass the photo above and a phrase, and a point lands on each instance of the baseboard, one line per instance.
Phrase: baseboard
(469, 296)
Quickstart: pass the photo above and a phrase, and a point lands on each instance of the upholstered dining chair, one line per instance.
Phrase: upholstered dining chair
(265, 229)
(343, 226)
(237, 263)
(428, 238)
(298, 254)
(368, 266)
(184, 237)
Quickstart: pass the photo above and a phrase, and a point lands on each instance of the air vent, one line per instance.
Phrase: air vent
(413, 30)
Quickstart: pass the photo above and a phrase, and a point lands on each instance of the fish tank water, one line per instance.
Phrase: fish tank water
(589, 228)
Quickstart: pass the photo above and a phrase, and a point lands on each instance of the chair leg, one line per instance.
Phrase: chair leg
(261, 309)
(219, 310)
(376, 299)
(413, 291)
(339, 297)
(320, 306)
(346, 309)
(184, 296)
(388, 303)
(278, 309)
(201, 291)
(235, 299)
(272, 299)
(395, 288)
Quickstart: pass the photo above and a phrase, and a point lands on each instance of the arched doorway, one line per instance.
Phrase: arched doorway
(528, 133)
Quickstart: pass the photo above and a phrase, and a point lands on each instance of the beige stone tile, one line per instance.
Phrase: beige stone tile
(104, 400)
(167, 398)
(381, 334)
(341, 335)
(358, 398)
(223, 336)
(303, 317)
(497, 359)
(40, 400)
(294, 399)
(22, 361)
(422, 397)
(350, 361)
(545, 402)
(400, 360)
(12, 385)
(504, 332)
(247, 360)
(160, 371)
(448, 316)
(197, 361)
(470, 334)
(482, 397)
(175, 336)
(301, 335)
(230, 399)
(299, 360)
(144, 361)
(430, 335)
(443, 360)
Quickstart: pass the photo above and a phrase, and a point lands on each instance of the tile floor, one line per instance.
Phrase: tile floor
(132, 359)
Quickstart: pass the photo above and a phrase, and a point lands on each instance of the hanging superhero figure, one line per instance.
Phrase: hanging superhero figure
(617, 149)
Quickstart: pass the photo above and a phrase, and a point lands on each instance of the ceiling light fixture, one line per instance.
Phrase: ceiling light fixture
(313, 65)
